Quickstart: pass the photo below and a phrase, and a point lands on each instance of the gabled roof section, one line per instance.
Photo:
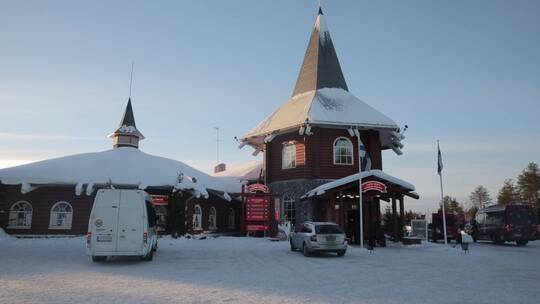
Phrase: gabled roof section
(321, 68)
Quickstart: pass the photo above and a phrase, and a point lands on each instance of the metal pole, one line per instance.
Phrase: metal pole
(360, 205)
(442, 206)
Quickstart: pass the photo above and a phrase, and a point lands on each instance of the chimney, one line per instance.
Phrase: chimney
(220, 168)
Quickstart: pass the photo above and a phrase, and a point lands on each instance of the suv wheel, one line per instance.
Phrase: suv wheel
(341, 253)
(292, 246)
(305, 250)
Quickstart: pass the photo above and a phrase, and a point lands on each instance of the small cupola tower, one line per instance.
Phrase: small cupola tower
(127, 134)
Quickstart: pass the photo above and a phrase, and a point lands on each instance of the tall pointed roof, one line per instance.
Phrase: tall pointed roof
(128, 119)
(321, 98)
(127, 128)
(321, 68)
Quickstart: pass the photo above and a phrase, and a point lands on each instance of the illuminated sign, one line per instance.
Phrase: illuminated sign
(253, 188)
(373, 186)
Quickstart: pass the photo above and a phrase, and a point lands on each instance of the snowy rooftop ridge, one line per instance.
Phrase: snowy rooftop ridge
(241, 173)
(123, 166)
(327, 106)
(355, 177)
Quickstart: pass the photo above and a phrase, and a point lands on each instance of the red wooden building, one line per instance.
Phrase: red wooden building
(55, 196)
(313, 139)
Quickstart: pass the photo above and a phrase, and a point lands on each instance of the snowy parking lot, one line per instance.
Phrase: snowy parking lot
(248, 270)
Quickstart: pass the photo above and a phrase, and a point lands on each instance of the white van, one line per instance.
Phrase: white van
(122, 223)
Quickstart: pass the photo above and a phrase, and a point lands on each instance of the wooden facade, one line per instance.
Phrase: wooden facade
(43, 199)
(315, 155)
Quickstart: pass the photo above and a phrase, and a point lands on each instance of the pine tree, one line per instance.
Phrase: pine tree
(508, 194)
(529, 184)
(480, 196)
(452, 206)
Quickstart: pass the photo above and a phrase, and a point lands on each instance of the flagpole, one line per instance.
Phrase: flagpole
(361, 222)
(442, 194)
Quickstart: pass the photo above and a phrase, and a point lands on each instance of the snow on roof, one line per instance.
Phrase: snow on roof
(327, 106)
(355, 177)
(243, 172)
(124, 166)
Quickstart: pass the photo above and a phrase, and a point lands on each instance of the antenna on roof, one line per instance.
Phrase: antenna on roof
(131, 78)
(217, 143)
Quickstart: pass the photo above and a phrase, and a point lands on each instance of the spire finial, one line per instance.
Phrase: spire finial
(320, 8)
(131, 79)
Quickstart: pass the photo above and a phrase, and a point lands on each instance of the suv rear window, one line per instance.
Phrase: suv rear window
(328, 229)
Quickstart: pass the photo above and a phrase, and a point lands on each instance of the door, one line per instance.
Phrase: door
(104, 221)
(131, 219)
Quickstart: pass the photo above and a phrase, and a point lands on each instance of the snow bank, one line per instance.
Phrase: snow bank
(4, 236)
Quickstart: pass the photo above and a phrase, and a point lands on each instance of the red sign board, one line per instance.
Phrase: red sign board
(373, 186)
(257, 208)
(160, 200)
(253, 188)
(257, 227)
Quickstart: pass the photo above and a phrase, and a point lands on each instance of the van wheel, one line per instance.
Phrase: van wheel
(341, 253)
(149, 256)
(521, 243)
(305, 250)
(292, 246)
(98, 258)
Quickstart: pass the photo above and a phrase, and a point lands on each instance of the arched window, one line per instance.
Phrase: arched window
(289, 208)
(212, 219)
(20, 215)
(288, 155)
(231, 221)
(197, 218)
(343, 151)
(61, 216)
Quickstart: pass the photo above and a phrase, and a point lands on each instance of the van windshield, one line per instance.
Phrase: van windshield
(520, 217)
(328, 229)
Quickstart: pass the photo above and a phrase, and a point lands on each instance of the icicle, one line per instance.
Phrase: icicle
(308, 130)
(351, 132)
(396, 150)
(26, 188)
(301, 131)
(79, 188)
(90, 188)
(357, 133)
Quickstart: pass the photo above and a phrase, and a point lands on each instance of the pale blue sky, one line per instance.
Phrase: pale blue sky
(464, 72)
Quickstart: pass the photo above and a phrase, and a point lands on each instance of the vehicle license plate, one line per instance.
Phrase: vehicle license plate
(104, 238)
(331, 238)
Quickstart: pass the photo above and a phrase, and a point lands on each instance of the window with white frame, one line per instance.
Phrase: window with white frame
(61, 216)
(197, 218)
(288, 155)
(231, 221)
(212, 216)
(20, 215)
(289, 208)
(343, 151)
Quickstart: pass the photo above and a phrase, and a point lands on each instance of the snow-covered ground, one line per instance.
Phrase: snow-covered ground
(247, 270)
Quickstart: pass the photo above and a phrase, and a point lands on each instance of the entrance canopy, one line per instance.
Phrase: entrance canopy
(393, 185)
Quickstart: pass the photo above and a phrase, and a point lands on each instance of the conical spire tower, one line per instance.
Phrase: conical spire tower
(321, 68)
(127, 135)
